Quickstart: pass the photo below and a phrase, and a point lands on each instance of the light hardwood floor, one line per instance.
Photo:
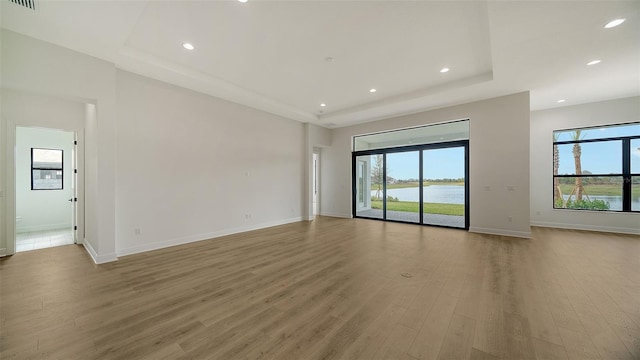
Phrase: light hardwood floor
(333, 288)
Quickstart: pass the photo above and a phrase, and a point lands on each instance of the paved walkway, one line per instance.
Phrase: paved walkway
(429, 219)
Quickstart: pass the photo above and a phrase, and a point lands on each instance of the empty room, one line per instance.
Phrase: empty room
(256, 179)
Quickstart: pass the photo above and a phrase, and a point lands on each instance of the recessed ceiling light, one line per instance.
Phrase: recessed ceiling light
(593, 62)
(444, 70)
(614, 23)
(188, 46)
(372, 90)
(561, 100)
(243, 1)
(323, 104)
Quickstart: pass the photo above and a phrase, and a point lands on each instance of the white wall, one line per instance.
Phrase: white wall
(37, 67)
(3, 187)
(499, 158)
(219, 167)
(38, 210)
(191, 166)
(543, 123)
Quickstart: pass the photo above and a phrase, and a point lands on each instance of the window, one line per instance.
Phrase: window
(420, 135)
(597, 168)
(46, 169)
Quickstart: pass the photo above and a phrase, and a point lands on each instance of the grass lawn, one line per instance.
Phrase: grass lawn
(602, 190)
(430, 208)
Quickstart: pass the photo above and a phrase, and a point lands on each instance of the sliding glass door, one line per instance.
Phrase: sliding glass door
(444, 187)
(424, 184)
(403, 186)
(369, 186)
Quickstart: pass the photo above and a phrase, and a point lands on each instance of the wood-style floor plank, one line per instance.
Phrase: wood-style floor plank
(331, 289)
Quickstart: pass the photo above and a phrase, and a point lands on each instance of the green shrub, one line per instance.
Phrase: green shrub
(389, 198)
(584, 204)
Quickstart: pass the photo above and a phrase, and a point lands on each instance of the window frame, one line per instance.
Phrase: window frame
(626, 174)
(61, 169)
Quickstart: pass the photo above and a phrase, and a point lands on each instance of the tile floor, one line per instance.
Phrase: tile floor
(43, 239)
(429, 219)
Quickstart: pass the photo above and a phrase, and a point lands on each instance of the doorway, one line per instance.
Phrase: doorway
(315, 183)
(46, 187)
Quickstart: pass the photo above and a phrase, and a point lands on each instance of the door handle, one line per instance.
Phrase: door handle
(70, 200)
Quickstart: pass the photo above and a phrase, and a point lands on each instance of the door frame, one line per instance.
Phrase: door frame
(78, 232)
(315, 188)
(384, 152)
(10, 198)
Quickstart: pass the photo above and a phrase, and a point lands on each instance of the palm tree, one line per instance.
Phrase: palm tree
(377, 172)
(577, 153)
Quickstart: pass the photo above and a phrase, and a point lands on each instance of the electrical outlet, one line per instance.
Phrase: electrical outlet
(137, 231)
(510, 218)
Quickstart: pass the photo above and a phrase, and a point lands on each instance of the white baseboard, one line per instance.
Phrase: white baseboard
(200, 237)
(586, 227)
(338, 215)
(45, 227)
(520, 234)
(98, 259)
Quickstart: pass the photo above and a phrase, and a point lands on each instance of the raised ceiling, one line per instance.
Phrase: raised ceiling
(289, 57)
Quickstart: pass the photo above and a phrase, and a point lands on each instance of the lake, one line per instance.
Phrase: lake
(454, 194)
(444, 194)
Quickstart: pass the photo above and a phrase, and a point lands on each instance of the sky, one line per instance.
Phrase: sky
(438, 164)
(600, 157)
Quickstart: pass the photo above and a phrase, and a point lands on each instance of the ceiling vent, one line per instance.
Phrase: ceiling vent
(29, 4)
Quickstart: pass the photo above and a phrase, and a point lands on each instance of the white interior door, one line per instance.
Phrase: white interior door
(315, 184)
(78, 187)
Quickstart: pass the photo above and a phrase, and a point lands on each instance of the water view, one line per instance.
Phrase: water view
(443, 194)
(454, 194)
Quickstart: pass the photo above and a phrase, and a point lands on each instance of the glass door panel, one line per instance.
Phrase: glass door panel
(444, 187)
(635, 172)
(403, 186)
(369, 186)
(635, 193)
